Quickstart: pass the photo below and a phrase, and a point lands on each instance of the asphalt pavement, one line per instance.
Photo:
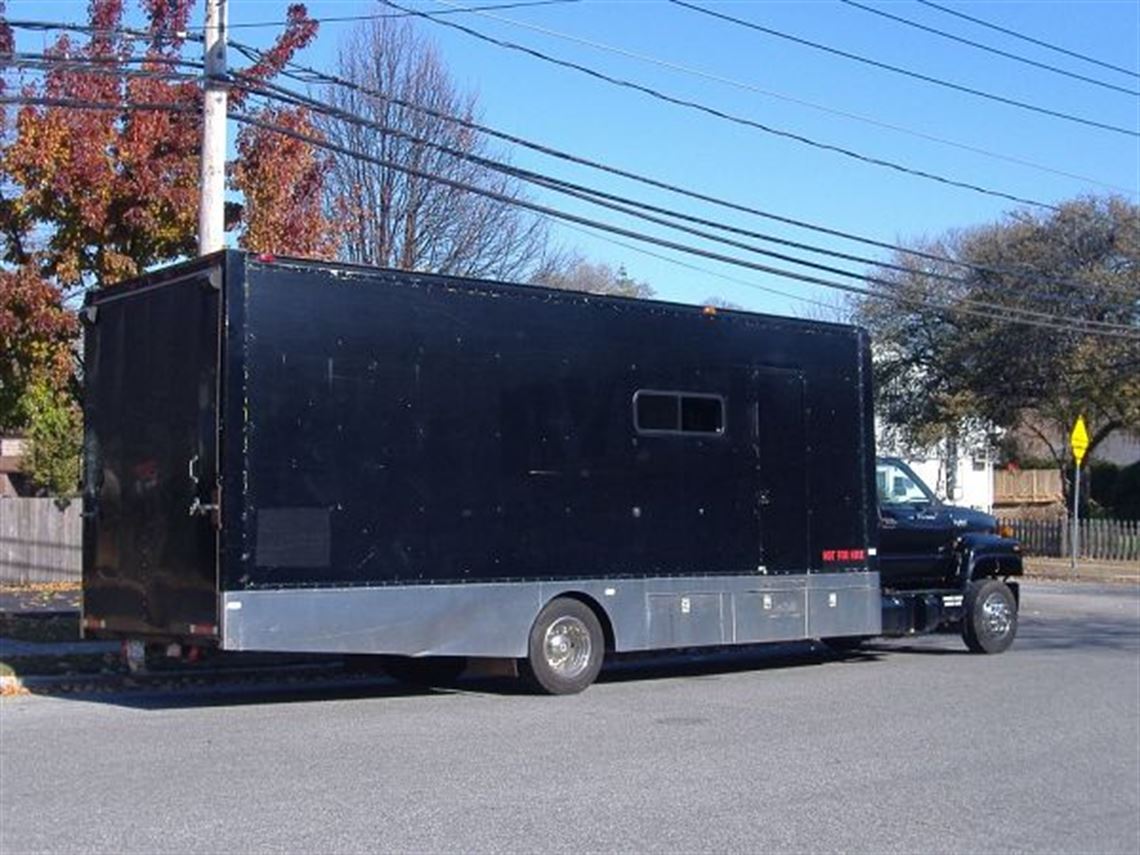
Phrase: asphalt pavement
(909, 747)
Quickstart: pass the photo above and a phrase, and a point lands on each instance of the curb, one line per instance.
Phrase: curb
(92, 683)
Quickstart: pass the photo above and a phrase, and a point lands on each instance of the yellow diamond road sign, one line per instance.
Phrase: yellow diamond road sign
(1079, 440)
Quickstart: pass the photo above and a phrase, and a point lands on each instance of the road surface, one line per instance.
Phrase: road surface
(911, 747)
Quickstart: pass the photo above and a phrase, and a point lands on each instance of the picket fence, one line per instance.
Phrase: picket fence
(40, 541)
(1104, 540)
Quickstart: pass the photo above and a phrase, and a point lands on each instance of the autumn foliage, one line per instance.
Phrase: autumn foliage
(36, 333)
(282, 181)
(116, 190)
(99, 180)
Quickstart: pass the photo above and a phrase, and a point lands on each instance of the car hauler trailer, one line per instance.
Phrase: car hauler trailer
(290, 456)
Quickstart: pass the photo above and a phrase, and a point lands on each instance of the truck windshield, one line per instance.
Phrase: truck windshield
(898, 485)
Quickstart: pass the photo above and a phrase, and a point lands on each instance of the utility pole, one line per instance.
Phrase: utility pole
(212, 201)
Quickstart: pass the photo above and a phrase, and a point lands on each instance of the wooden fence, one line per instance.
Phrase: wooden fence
(1028, 487)
(39, 541)
(1105, 540)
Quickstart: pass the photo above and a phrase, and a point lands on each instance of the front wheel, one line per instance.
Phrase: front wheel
(990, 620)
(565, 649)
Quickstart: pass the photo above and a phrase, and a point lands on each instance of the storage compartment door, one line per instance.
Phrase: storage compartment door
(150, 539)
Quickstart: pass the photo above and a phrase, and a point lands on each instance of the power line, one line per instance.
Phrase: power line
(749, 87)
(989, 49)
(93, 63)
(253, 54)
(1029, 39)
(312, 75)
(729, 117)
(635, 208)
(349, 18)
(87, 29)
(694, 267)
(906, 72)
(662, 242)
(589, 194)
(573, 218)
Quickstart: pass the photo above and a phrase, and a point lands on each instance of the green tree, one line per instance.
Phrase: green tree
(55, 436)
(942, 366)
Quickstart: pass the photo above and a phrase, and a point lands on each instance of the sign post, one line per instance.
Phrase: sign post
(1079, 442)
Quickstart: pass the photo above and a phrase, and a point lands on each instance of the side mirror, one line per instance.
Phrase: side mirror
(958, 493)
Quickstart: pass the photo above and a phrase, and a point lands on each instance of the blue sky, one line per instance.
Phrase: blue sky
(568, 110)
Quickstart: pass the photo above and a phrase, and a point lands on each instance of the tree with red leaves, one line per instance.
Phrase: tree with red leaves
(102, 194)
(94, 194)
(282, 180)
(36, 334)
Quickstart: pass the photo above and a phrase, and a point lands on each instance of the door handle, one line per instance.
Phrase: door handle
(199, 508)
(764, 498)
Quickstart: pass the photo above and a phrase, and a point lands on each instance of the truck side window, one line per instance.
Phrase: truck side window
(655, 411)
(678, 412)
(702, 415)
(897, 487)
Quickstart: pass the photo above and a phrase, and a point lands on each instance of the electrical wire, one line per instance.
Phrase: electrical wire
(749, 87)
(348, 18)
(989, 49)
(573, 218)
(254, 54)
(95, 60)
(106, 71)
(131, 33)
(636, 208)
(309, 75)
(1029, 39)
(906, 72)
(687, 266)
(729, 117)
(662, 242)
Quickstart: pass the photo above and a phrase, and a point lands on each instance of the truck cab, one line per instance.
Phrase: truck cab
(943, 565)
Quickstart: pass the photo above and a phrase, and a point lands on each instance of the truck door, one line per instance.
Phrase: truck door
(915, 530)
(780, 454)
(150, 539)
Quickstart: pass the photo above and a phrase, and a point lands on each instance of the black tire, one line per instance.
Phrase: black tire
(989, 623)
(565, 648)
(425, 670)
(846, 643)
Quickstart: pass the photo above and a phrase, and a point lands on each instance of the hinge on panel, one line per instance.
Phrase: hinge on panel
(90, 314)
(213, 279)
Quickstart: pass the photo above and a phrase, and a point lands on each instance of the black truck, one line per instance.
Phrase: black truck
(283, 455)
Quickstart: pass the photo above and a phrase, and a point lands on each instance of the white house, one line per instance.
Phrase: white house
(974, 481)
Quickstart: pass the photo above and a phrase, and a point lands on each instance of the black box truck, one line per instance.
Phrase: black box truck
(283, 455)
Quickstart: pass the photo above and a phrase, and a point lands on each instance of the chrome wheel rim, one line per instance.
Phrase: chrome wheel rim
(567, 647)
(996, 614)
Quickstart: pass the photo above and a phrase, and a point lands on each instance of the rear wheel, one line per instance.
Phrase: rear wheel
(565, 649)
(846, 643)
(989, 624)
